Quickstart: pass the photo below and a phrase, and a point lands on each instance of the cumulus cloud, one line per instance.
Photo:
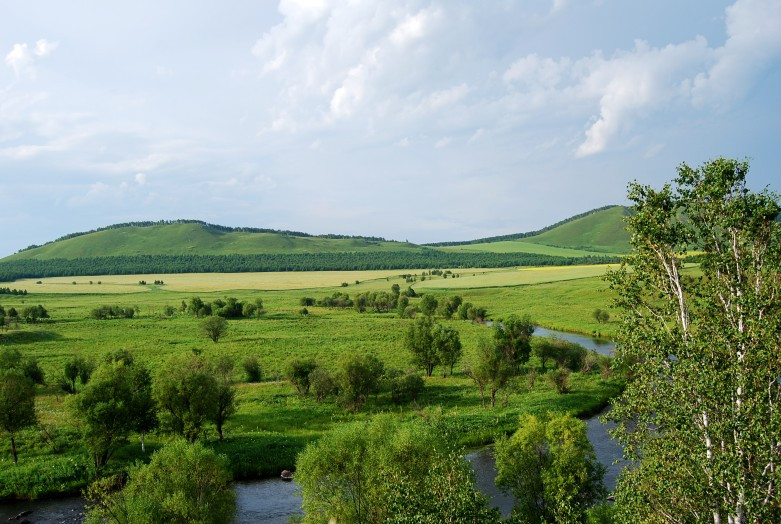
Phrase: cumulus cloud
(140, 179)
(22, 58)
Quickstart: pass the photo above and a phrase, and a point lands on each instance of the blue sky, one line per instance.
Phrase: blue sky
(421, 120)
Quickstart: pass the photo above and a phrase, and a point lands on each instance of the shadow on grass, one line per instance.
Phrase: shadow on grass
(30, 337)
(261, 455)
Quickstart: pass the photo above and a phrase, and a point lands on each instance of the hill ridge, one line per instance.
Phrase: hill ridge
(215, 227)
(518, 236)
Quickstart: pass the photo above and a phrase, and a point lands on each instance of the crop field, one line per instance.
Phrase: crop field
(523, 246)
(272, 422)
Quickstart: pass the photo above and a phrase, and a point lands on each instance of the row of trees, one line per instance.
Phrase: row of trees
(9, 291)
(344, 261)
(30, 314)
(105, 312)
(231, 307)
(357, 376)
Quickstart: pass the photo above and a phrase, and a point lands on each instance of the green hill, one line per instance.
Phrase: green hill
(600, 231)
(197, 238)
(603, 231)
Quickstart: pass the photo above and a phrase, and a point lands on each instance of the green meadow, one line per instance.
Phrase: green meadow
(273, 423)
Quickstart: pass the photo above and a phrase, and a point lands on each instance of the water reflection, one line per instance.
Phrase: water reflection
(600, 345)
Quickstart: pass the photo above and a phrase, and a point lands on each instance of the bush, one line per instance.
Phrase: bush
(406, 388)
(182, 483)
(322, 383)
(297, 372)
(559, 379)
(251, 369)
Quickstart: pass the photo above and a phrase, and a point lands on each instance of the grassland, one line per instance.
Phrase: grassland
(603, 232)
(523, 246)
(273, 423)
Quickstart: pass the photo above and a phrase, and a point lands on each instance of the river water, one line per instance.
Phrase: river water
(275, 501)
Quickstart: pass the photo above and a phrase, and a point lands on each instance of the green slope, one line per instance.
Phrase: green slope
(197, 239)
(520, 246)
(603, 231)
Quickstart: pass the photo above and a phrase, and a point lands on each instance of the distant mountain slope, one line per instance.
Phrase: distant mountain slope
(603, 231)
(197, 238)
(600, 230)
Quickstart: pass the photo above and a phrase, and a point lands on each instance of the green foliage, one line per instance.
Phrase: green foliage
(15, 268)
(322, 383)
(214, 328)
(559, 379)
(447, 345)
(405, 387)
(601, 316)
(297, 371)
(550, 468)
(490, 370)
(116, 401)
(358, 377)
(386, 471)
(11, 359)
(33, 314)
(420, 343)
(700, 412)
(105, 312)
(564, 353)
(186, 391)
(513, 336)
(252, 369)
(183, 483)
(17, 404)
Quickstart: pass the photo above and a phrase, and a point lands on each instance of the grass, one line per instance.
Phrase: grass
(602, 231)
(273, 423)
(519, 246)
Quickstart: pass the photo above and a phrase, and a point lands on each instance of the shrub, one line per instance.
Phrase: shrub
(322, 383)
(251, 369)
(559, 379)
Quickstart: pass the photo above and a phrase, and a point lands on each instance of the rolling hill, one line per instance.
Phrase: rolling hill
(198, 238)
(600, 231)
(190, 246)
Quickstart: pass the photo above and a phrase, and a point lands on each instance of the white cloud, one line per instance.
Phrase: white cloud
(22, 59)
(414, 27)
(753, 40)
(443, 142)
(140, 179)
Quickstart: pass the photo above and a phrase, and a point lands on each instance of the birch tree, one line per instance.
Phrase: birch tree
(700, 413)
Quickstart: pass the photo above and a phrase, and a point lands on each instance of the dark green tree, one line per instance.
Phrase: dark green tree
(387, 471)
(420, 343)
(358, 377)
(17, 404)
(297, 372)
(214, 328)
(186, 391)
(513, 336)
(490, 370)
(447, 345)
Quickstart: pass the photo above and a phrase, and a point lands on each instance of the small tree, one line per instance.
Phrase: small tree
(447, 345)
(490, 371)
(359, 376)
(297, 372)
(251, 369)
(420, 343)
(550, 468)
(186, 391)
(105, 409)
(513, 336)
(323, 383)
(428, 305)
(17, 404)
(214, 328)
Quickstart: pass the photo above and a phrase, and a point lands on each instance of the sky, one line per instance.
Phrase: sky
(419, 120)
